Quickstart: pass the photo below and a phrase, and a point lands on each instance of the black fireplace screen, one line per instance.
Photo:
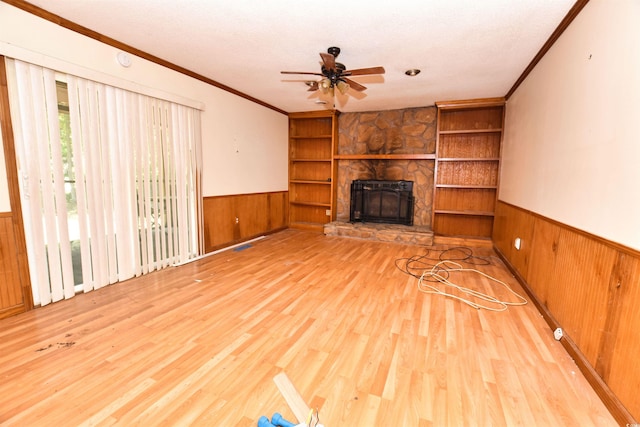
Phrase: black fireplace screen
(389, 202)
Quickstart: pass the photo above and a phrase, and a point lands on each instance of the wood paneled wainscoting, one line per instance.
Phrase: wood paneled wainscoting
(589, 287)
(236, 218)
(14, 297)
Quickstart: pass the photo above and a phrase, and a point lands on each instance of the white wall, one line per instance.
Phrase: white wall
(244, 144)
(572, 137)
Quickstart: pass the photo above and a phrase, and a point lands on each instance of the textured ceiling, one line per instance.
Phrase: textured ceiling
(465, 48)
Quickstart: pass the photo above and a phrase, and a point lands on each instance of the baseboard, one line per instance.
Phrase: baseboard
(610, 400)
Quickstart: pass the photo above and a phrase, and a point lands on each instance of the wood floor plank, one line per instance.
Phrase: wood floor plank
(200, 344)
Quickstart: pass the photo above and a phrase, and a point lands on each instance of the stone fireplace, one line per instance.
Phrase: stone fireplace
(388, 145)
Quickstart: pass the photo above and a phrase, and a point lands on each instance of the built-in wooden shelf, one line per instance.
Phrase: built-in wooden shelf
(468, 149)
(465, 186)
(303, 203)
(470, 103)
(463, 212)
(309, 136)
(469, 159)
(466, 131)
(431, 156)
(310, 181)
(312, 169)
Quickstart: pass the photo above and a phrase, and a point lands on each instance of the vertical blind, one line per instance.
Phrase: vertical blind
(136, 167)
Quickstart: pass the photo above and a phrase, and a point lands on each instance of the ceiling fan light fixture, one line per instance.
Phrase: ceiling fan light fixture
(343, 86)
(412, 72)
(325, 85)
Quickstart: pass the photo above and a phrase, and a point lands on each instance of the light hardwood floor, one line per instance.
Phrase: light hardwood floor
(200, 344)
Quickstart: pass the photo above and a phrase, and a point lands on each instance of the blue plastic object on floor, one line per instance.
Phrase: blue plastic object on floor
(264, 422)
(242, 248)
(278, 420)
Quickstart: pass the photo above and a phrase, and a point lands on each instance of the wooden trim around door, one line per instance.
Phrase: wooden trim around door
(8, 143)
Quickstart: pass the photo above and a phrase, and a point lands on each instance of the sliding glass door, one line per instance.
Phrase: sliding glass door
(110, 180)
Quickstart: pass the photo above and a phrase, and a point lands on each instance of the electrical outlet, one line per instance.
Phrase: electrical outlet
(558, 334)
(328, 212)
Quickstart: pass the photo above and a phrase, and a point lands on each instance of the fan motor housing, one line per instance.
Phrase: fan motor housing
(333, 50)
(332, 75)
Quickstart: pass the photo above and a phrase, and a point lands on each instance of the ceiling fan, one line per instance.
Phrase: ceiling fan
(334, 74)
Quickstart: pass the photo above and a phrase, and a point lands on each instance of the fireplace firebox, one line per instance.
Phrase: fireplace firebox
(389, 202)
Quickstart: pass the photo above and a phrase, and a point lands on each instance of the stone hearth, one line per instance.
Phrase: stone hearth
(394, 233)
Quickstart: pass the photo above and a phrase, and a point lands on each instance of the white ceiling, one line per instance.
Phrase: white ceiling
(465, 48)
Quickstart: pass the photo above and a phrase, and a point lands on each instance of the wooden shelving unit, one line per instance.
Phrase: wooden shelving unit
(384, 156)
(312, 169)
(467, 166)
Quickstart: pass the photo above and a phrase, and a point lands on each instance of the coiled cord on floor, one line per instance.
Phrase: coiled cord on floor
(441, 273)
(433, 271)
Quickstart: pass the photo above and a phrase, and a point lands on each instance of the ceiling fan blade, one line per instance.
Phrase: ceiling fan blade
(353, 84)
(364, 71)
(300, 72)
(329, 61)
(313, 86)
